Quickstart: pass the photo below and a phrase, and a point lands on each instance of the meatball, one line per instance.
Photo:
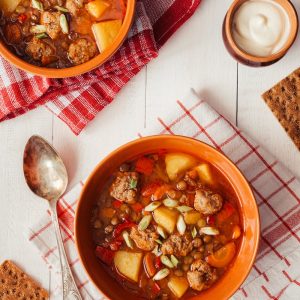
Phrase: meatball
(179, 245)
(207, 202)
(73, 6)
(82, 51)
(145, 240)
(40, 51)
(13, 33)
(201, 275)
(52, 22)
(124, 187)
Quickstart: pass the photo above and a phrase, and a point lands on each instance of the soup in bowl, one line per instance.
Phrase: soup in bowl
(167, 217)
(47, 36)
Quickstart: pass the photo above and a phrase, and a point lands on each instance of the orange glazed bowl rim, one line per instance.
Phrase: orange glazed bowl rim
(90, 65)
(233, 278)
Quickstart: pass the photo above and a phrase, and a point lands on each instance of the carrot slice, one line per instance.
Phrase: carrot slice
(222, 257)
(149, 265)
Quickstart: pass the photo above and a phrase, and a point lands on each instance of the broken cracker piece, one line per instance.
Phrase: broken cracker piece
(15, 284)
(284, 101)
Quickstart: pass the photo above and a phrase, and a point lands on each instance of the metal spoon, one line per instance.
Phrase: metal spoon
(47, 177)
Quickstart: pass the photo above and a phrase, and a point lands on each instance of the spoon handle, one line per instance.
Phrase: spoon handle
(70, 290)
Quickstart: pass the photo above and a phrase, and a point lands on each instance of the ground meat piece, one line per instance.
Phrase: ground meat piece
(40, 51)
(179, 245)
(74, 6)
(82, 51)
(13, 33)
(52, 22)
(197, 242)
(144, 240)
(201, 275)
(207, 202)
(124, 187)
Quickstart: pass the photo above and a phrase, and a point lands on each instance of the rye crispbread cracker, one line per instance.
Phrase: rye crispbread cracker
(284, 101)
(15, 284)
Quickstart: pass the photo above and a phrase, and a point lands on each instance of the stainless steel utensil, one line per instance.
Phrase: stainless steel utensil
(47, 177)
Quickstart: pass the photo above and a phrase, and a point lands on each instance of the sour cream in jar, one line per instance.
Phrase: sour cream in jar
(261, 27)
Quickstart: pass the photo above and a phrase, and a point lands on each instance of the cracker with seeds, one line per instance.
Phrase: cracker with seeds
(15, 284)
(284, 101)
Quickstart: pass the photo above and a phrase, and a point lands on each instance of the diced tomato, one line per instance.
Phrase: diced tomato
(116, 243)
(105, 255)
(155, 288)
(137, 207)
(150, 189)
(144, 165)
(117, 204)
(158, 263)
(210, 220)
(121, 227)
(22, 18)
(149, 265)
(161, 191)
(225, 213)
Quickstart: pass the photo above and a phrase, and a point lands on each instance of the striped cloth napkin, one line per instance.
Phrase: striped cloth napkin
(77, 100)
(276, 272)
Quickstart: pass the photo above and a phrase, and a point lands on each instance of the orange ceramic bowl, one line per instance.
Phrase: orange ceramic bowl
(80, 69)
(233, 278)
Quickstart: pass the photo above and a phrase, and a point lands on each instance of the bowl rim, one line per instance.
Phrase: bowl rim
(79, 69)
(183, 138)
(290, 10)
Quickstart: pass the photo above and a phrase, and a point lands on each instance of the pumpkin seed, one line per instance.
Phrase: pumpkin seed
(161, 232)
(170, 202)
(152, 206)
(166, 261)
(145, 222)
(161, 274)
(194, 232)
(181, 226)
(60, 8)
(209, 231)
(158, 242)
(184, 208)
(37, 5)
(127, 239)
(64, 24)
(174, 260)
(38, 29)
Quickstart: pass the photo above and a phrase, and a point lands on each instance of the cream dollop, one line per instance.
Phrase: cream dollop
(261, 27)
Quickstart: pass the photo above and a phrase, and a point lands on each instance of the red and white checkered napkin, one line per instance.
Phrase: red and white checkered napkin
(276, 273)
(77, 100)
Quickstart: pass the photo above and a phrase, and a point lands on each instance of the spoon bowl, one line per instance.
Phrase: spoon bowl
(44, 170)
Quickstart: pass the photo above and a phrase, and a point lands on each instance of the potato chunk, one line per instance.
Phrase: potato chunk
(192, 217)
(106, 32)
(205, 174)
(9, 5)
(178, 286)
(177, 163)
(166, 218)
(128, 264)
(97, 8)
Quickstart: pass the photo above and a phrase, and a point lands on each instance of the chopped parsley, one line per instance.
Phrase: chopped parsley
(132, 183)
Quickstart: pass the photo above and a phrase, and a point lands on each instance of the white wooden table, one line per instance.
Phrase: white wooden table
(193, 57)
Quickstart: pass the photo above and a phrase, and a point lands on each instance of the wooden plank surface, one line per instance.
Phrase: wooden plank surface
(194, 57)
